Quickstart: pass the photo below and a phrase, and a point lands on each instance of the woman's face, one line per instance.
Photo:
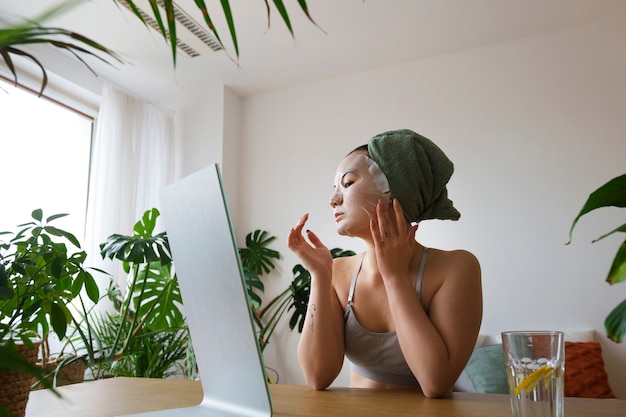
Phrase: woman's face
(359, 184)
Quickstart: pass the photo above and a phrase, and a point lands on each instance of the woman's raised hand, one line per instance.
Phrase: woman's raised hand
(394, 239)
(314, 255)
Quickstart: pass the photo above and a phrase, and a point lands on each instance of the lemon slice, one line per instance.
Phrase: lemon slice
(529, 383)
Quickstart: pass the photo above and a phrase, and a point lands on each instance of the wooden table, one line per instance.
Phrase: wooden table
(111, 397)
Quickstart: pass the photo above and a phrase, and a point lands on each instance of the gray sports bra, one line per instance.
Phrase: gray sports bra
(375, 355)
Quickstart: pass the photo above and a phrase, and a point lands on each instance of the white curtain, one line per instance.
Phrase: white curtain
(132, 159)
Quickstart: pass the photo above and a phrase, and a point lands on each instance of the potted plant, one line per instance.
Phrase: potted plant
(146, 335)
(40, 276)
(613, 193)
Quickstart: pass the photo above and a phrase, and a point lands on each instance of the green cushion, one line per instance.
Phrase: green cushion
(486, 370)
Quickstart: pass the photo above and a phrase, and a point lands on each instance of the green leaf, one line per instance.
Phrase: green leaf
(231, 24)
(622, 229)
(255, 299)
(280, 6)
(207, 19)
(617, 273)
(615, 323)
(57, 267)
(256, 257)
(145, 227)
(161, 297)
(613, 193)
(59, 232)
(6, 293)
(52, 230)
(139, 15)
(31, 32)
(340, 253)
(140, 248)
(164, 251)
(56, 216)
(301, 290)
(157, 15)
(115, 247)
(256, 284)
(171, 24)
(37, 214)
(8, 61)
(91, 287)
(77, 285)
(58, 319)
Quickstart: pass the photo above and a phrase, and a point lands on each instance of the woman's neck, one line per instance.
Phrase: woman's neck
(370, 263)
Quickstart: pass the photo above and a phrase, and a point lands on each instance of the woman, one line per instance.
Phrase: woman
(406, 316)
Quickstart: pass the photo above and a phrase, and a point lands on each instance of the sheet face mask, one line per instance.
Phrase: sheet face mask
(373, 183)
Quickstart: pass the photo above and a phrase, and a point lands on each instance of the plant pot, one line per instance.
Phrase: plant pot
(15, 386)
(72, 371)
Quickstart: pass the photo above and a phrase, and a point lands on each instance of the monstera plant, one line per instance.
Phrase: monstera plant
(257, 260)
(611, 194)
(146, 335)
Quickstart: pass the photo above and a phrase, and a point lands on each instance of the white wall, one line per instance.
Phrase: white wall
(208, 131)
(533, 126)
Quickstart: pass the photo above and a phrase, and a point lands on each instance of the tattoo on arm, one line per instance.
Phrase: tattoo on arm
(312, 309)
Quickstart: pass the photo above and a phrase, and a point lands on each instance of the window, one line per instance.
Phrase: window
(44, 160)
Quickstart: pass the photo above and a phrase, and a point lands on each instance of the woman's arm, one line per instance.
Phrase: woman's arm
(321, 346)
(436, 345)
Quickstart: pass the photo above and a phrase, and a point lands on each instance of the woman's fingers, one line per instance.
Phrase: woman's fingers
(315, 241)
(309, 248)
(399, 215)
(380, 220)
(386, 224)
(295, 235)
(390, 223)
(301, 222)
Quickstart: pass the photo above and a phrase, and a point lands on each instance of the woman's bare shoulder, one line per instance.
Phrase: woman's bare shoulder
(458, 264)
(346, 262)
(459, 257)
(459, 283)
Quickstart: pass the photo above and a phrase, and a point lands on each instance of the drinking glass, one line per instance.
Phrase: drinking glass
(535, 362)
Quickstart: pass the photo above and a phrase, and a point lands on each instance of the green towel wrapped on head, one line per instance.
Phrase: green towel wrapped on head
(417, 171)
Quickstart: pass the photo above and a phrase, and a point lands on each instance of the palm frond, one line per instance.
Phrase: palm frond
(32, 32)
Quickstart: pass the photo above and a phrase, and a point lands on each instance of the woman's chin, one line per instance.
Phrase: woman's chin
(343, 231)
(349, 231)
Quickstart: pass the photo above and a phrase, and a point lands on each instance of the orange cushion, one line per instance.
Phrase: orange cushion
(585, 375)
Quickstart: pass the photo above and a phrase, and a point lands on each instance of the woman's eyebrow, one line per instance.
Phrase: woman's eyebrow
(349, 171)
(342, 174)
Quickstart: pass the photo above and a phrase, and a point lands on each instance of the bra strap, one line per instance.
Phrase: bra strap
(420, 273)
(418, 284)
